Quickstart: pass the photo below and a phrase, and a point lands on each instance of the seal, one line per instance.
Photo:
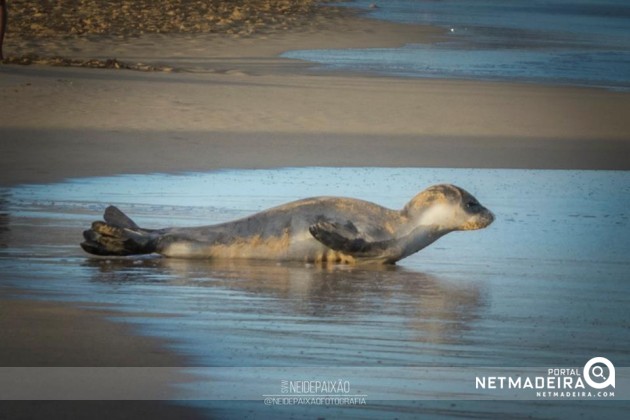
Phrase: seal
(317, 230)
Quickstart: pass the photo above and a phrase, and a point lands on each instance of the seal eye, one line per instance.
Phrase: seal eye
(472, 205)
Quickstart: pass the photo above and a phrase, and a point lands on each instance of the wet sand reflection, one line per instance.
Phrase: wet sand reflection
(4, 219)
(433, 310)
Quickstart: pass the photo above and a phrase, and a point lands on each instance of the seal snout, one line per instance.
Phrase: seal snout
(490, 217)
(484, 219)
(480, 219)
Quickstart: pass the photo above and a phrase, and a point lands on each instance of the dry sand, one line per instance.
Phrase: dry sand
(235, 104)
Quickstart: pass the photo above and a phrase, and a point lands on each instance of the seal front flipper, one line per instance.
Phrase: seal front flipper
(118, 235)
(346, 238)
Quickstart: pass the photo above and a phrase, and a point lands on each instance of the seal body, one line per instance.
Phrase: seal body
(319, 230)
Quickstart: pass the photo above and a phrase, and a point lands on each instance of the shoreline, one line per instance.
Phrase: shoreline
(42, 333)
(215, 53)
(90, 333)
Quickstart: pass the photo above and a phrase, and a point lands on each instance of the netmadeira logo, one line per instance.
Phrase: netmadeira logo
(595, 380)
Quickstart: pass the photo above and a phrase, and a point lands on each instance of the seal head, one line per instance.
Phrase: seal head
(448, 208)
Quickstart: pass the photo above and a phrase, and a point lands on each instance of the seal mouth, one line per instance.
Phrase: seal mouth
(491, 217)
(487, 219)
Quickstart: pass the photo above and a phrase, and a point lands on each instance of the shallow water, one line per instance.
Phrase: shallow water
(545, 285)
(583, 42)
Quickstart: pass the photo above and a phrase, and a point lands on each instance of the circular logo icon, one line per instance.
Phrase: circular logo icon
(596, 376)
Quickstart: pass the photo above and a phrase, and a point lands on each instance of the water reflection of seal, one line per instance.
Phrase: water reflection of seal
(321, 229)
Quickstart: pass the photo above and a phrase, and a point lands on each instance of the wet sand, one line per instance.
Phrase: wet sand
(233, 104)
(40, 333)
(60, 123)
(473, 299)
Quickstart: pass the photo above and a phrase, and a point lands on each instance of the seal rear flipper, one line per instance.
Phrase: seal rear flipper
(114, 217)
(119, 235)
(346, 239)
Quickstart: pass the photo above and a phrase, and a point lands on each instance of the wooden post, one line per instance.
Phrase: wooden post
(3, 24)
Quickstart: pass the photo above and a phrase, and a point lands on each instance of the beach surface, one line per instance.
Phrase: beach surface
(228, 101)
(233, 104)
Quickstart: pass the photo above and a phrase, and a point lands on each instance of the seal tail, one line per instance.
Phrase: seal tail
(118, 235)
